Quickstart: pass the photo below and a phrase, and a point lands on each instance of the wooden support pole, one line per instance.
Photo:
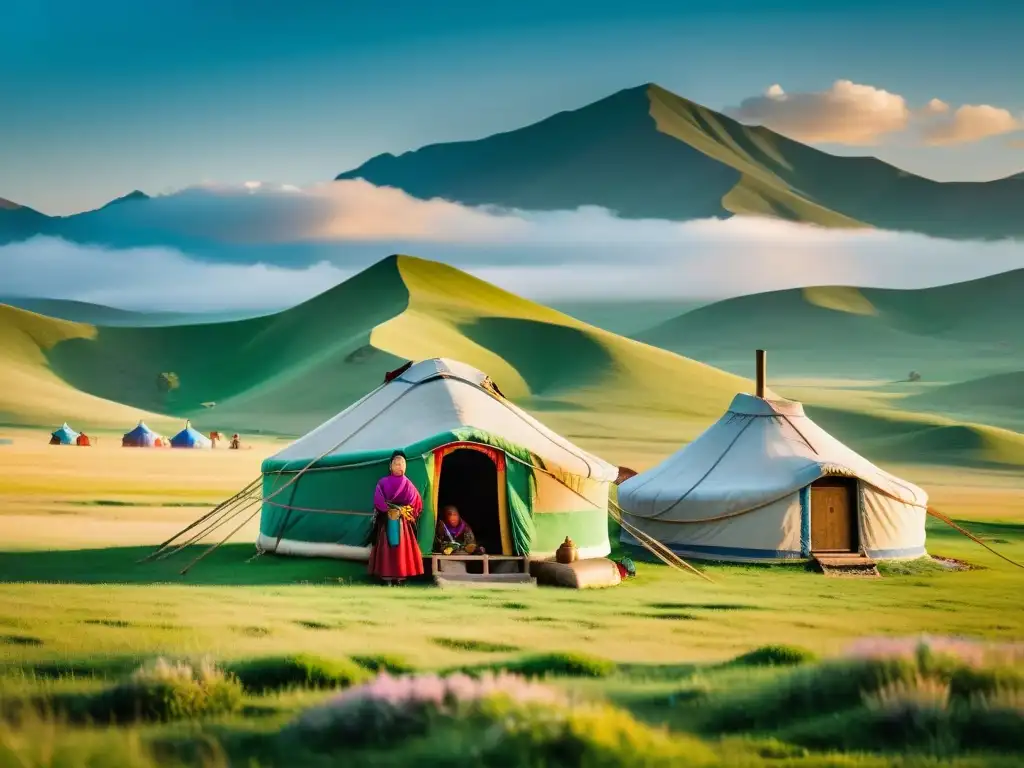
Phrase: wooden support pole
(762, 372)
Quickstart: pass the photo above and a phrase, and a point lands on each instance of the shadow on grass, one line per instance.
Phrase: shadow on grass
(228, 565)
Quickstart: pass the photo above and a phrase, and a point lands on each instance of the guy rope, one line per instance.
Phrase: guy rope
(939, 516)
(241, 502)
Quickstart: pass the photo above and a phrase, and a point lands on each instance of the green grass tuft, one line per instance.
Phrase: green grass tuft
(774, 656)
(164, 691)
(19, 640)
(569, 664)
(391, 663)
(278, 673)
(803, 693)
(481, 646)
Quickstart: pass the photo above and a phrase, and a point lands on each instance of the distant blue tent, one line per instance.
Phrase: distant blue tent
(190, 438)
(65, 435)
(141, 437)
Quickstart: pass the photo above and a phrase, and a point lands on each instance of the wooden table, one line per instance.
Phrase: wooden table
(485, 559)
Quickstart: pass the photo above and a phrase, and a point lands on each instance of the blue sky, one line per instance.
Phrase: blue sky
(103, 97)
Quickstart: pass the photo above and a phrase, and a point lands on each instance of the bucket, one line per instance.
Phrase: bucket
(394, 529)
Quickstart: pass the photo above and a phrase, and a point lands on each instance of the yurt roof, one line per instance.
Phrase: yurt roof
(433, 402)
(140, 429)
(758, 452)
(65, 429)
(190, 431)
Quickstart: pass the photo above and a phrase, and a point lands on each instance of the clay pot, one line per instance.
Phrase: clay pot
(567, 553)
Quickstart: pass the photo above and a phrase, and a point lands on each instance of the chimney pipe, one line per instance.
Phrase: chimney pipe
(762, 372)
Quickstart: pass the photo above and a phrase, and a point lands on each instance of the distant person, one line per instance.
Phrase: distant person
(235, 442)
(454, 536)
(394, 552)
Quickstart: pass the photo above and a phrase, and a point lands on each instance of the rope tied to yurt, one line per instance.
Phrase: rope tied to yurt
(939, 516)
(655, 547)
(246, 498)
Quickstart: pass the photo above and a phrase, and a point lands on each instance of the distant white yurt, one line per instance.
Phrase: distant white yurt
(767, 484)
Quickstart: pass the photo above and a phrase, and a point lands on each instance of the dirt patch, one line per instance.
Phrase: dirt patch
(953, 564)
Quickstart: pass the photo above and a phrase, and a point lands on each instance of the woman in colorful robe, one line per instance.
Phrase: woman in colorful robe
(454, 536)
(394, 552)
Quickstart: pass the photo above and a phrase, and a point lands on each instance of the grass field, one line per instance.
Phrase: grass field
(75, 521)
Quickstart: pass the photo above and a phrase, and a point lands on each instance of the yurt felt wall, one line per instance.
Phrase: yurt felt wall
(744, 491)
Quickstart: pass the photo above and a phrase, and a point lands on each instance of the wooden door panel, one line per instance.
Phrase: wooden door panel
(832, 519)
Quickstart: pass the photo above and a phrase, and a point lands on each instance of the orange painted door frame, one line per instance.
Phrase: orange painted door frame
(496, 456)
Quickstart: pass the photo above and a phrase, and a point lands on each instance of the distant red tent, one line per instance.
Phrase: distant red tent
(391, 375)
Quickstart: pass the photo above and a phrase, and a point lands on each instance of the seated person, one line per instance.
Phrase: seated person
(453, 535)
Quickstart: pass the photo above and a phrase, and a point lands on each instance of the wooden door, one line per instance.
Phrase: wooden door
(834, 515)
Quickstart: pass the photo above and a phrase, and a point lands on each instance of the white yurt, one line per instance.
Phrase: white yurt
(765, 483)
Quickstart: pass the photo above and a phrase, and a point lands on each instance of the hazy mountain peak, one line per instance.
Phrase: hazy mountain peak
(135, 194)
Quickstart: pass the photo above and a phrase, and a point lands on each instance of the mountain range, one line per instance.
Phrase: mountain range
(646, 153)
(642, 153)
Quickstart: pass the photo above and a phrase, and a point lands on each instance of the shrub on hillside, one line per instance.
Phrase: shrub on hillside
(967, 682)
(994, 721)
(552, 665)
(166, 690)
(594, 735)
(803, 693)
(278, 673)
(774, 656)
(385, 662)
(389, 709)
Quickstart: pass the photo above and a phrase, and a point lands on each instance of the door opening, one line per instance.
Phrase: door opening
(834, 515)
(469, 480)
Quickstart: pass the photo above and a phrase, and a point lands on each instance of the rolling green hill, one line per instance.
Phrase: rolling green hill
(895, 436)
(287, 372)
(99, 314)
(996, 399)
(32, 393)
(947, 334)
(647, 153)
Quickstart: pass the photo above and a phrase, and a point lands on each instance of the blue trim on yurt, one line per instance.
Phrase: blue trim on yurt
(805, 521)
(710, 552)
(761, 554)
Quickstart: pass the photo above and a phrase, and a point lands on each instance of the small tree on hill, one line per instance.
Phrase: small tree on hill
(914, 376)
(168, 382)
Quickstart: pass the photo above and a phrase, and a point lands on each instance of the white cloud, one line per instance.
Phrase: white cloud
(971, 122)
(259, 212)
(859, 115)
(846, 113)
(586, 254)
(154, 279)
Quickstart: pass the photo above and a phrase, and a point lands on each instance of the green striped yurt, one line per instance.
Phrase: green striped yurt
(522, 487)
